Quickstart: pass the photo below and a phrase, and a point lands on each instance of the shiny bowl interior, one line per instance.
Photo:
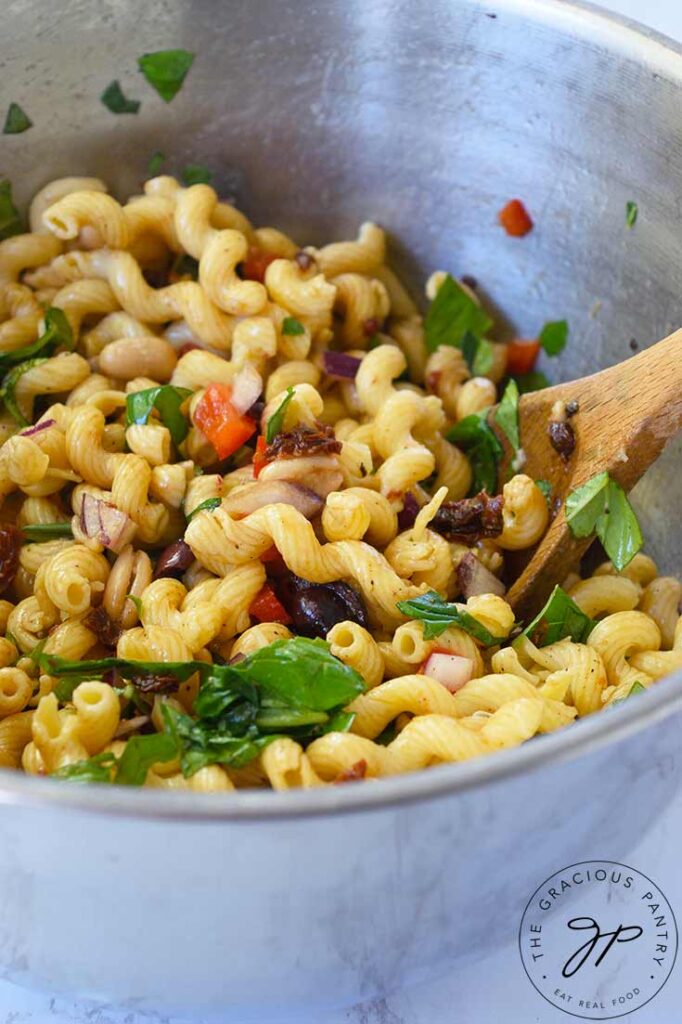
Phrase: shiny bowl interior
(426, 119)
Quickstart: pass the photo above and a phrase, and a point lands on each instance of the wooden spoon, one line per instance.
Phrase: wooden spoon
(625, 416)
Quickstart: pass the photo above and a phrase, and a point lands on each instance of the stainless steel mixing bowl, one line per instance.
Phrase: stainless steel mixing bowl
(426, 117)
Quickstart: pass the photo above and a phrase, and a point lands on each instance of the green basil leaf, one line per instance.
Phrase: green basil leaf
(436, 615)
(546, 488)
(17, 120)
(507, 415)
(451, 314)
(561, 617)
(38, 533)
(114, 100)
(167, 400)
(9, 386)
(276, 421)
(280, 718)
(290, 325)
(618, 527)
(478, 354)
(204, 506)
(631, 211)
(585, 505)
(196, 174)
(63, 691)
(166, 70)
(301, 673)
(203, 744)
(141, 753)
(57, 332)
(156, 162)
(474, 435)
(53, 665)
(95, 769)
(553, 337)
(534, 380)
(221, 689)
(340, 722)
(10, 221)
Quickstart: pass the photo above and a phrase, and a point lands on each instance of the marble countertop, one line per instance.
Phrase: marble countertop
(495, 988)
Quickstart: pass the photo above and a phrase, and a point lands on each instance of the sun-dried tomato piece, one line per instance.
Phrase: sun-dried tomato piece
(10, 544)
(105, 629)
(470, 519)
(302, 440)
(155, 683)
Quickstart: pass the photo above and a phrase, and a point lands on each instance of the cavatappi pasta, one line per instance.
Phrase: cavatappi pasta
(230, 491)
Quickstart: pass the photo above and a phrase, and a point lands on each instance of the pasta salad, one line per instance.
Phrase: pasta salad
(255, 530)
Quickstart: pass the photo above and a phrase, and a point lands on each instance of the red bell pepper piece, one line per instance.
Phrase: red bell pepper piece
(259, 455)
(256, 263)
(522, 355)
(266, 607)
(515, 219)
(217, 418)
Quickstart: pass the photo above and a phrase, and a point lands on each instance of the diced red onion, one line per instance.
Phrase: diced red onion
(452, 670)
(254, 496)
(45, 425)
(340, 364)
(105, 523)
(473, 578)
(247, 387)
(409, 513)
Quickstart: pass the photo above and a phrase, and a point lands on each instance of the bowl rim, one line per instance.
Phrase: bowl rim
(662, 54)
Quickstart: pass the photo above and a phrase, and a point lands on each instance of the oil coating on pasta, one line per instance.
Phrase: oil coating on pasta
(191, 540)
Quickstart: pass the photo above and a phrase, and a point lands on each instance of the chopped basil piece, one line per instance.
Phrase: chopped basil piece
(9, 386)
(114, 100)
(195, 174)
(137, 601)
(96, 769)
(156, 162)
(631, 211)
(474, 435)
(17, 120)
(207, 505)
(140, 754)
(478, 354)
(276, 421)
(601, 506)
(10, 221)
(37, 533)
(340, 722)
(535, 380)
(53, 665)
(546, 488)
(165, 70)
(561, 617)
(57, 332)
(553, 337)
(167, 400)
(451, 315)
(203, 743)
(290, 325)
(507, 415)
(130, 769)
(437, 615)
